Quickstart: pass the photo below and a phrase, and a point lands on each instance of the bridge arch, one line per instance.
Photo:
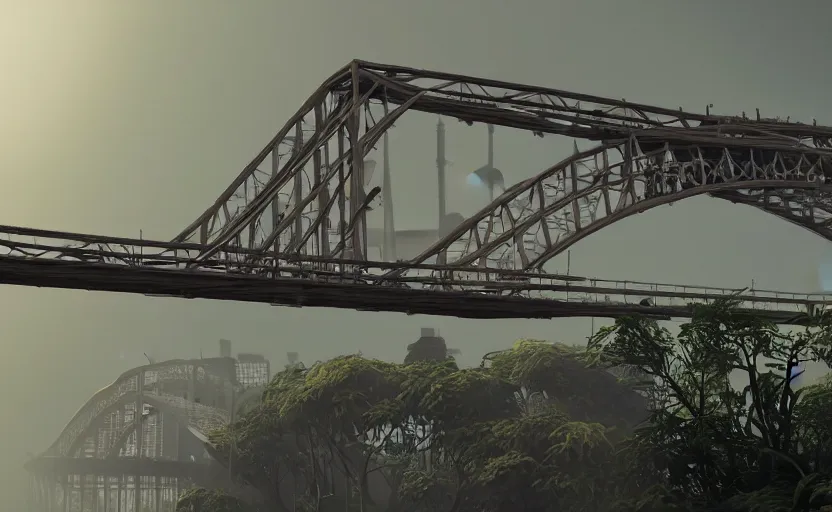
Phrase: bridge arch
(541, 217)
(192, 373)
(183, 412)
(335, 130)
(140, 441)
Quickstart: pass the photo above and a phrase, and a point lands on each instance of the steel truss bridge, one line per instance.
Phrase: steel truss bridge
(140, 442)
(287, 231)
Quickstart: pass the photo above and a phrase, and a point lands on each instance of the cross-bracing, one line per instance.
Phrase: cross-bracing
(296, 233)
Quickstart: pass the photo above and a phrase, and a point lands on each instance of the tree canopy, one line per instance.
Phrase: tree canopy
(638, 420)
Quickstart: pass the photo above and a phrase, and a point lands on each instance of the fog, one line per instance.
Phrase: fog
(122, 118)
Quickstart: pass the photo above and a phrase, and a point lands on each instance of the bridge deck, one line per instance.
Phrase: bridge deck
(52, 259)
(586, 299)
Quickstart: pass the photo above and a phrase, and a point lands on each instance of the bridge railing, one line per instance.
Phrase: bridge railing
(657, 294)
(26, 243)
(606, 291)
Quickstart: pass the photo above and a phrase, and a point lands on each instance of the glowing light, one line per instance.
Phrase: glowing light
(486, 177)
(474, 180)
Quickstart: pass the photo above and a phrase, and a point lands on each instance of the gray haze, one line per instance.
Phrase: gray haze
(121, 117)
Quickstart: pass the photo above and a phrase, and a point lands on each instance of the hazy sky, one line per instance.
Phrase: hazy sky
(126, 116)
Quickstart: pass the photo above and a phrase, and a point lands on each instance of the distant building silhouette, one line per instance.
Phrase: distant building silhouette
(429, 347)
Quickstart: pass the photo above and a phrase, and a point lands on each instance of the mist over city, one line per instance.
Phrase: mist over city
(410, 256)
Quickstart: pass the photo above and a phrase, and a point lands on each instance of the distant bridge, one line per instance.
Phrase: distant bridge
(138, 443)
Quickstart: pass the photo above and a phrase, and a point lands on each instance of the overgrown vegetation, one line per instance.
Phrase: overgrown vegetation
(639, 420)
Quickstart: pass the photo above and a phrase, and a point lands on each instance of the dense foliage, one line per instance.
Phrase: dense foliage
(639, 420)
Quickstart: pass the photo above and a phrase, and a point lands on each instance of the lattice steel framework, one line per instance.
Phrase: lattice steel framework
(645, 156)
(291, 230)
(540, 218)
(136, 444)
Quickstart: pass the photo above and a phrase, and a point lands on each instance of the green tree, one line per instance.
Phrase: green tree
(532, 428)
(200, 500)
(707, 442)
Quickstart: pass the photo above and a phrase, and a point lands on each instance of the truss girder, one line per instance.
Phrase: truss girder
(541, 217)
(127, 387)
(110, 436)
(249, 182)
(555, 111)
(808, 208)
(295, 234)
(301, 204)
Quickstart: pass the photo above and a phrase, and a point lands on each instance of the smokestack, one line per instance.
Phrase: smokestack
(387, 200)
(440, 173)
(225, 348)
(491, 145)
(491, 161)
(440, 169)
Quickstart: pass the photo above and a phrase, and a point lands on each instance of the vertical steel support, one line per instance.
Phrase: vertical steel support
(491, 162)
(159, 433)
(203, 232)
(323, 194)
(387, 198)
(82, 488)
(357, 178)
(297, 192)
(107, 485)
(573, 185)
(275, 203)
(342, 198)
(137, 418)
(65, 498)
(440, 175)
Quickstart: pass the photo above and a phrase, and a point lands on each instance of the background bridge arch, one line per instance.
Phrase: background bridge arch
(139, 442)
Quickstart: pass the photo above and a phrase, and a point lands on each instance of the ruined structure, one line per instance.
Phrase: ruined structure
(137, 444)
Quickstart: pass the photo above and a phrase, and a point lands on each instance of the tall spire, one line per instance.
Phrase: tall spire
(387, 200)
(440, 169)
(491, 168)
(491, 146)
